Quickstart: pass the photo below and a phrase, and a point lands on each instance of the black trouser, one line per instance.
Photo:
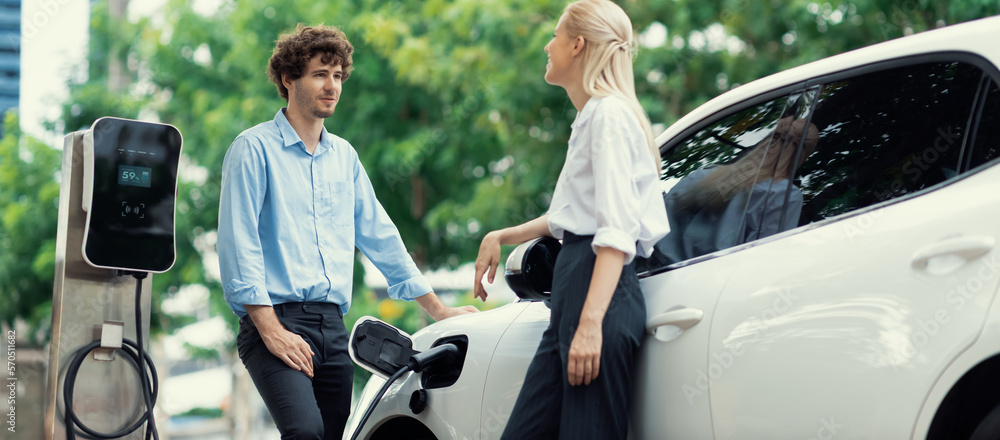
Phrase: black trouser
(301, 407)
(547, 406)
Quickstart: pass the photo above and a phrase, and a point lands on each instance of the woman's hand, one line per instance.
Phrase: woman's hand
(487, 262)
(489, 250)
(585, 349)
(585, 354)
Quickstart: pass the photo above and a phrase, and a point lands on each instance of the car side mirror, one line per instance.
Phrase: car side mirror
(530, 268)
(379, 347)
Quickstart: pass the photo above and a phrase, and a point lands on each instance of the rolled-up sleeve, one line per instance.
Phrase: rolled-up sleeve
(377, 237)
(241, 259)
(617, 201)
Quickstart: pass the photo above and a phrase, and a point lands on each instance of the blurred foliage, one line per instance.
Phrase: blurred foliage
(203, 413)
(29, 197)
(446, 107)
(714, 46)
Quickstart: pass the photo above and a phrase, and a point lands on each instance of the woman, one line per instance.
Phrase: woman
(607, 208)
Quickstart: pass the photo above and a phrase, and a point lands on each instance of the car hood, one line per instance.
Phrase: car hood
(484, 329)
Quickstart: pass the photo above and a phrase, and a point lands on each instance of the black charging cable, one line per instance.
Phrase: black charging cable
(417, 363)
(138, 358)
(145, 384)
(381, 392)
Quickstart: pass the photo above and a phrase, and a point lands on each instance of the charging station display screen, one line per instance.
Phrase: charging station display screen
(135, 176)
(131, 219)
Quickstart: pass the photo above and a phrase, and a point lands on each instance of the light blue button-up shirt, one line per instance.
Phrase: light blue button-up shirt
(289, 222)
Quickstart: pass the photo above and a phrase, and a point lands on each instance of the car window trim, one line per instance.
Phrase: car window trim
(973, 132)
(971, 58)
(798, 149)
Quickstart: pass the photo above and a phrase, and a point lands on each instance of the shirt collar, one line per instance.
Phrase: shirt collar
(291, 138)
(586, 113)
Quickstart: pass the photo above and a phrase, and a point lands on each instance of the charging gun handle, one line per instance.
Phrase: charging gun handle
(422, 360)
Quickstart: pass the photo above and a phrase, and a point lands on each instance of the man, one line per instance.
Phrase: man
(295, 202)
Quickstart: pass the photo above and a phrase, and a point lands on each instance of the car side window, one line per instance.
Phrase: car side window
(886, 134)
(986, 141)
(728, 183)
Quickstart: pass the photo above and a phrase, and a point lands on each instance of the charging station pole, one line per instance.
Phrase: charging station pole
(87, 301)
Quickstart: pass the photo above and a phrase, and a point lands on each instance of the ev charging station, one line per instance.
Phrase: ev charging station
(116, 225)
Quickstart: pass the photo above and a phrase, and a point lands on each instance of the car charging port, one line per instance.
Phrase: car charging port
(445, 372)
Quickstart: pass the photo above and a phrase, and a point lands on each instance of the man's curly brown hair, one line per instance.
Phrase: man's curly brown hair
(294, 50)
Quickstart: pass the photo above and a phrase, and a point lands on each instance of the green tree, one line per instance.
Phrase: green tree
(447, 107)
(29, 196)
(714, 46)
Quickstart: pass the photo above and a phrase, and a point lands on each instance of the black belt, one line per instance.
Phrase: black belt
(306, 307)
(569, 237)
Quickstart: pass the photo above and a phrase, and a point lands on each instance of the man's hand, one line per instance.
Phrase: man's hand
(448, 312)
(285, 345)
(438, 311)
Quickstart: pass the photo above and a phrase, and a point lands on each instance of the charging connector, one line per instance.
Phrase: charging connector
(417, 363)
(420, 361)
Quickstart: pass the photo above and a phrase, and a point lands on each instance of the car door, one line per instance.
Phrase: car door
(842, 325)
(720, 181)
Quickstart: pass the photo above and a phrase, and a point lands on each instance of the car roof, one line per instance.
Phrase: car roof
(977, 37)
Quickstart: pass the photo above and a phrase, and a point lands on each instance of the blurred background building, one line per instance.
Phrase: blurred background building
(10, 54)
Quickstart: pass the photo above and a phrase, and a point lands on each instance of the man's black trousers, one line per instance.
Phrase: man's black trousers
(301, 407)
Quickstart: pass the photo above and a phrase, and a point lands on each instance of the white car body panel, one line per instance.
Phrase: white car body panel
(896, 327)
(984, 347)
(508, 368)
(905, 289)
(672, 380)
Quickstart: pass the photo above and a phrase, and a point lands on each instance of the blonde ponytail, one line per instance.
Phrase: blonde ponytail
(608, 54)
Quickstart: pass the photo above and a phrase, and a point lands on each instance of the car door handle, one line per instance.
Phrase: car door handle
(680, 317)
(967, 247)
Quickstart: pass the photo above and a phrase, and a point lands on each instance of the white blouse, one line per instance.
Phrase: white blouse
(608, 187)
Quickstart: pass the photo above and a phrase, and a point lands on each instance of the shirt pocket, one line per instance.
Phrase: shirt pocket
(339, 206)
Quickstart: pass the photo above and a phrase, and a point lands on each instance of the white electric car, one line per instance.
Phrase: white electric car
(831, 271)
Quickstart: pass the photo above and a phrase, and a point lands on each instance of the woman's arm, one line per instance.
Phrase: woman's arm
(585, 350)
(489, 250)
(618, 155)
